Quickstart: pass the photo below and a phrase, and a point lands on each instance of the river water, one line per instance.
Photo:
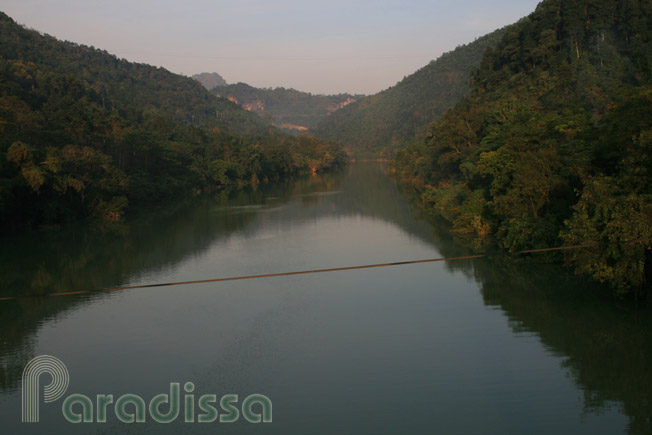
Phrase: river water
(487, 346)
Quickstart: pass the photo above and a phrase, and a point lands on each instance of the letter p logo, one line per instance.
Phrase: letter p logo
(31, 389)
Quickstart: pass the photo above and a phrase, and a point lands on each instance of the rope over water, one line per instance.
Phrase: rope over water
(335, 269)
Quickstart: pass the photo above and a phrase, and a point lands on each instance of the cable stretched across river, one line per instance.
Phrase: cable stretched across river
(334, 269)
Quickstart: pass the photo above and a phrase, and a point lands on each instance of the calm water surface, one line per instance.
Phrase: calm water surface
(466, 347)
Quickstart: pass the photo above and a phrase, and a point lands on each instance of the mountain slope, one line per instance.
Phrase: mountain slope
(84, 135)
(554, 144)
(291, 110)
(124, 85)
(378, 124)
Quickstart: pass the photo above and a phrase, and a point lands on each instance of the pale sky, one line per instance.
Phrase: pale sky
(326, 46)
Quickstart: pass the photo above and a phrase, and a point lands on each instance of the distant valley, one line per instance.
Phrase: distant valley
(288, 109)
(378, 125)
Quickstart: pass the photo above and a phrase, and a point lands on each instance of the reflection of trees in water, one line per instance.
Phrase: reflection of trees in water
(606, 343)
(86, 257)
(19, 322)
(89, 257)
(607, 347)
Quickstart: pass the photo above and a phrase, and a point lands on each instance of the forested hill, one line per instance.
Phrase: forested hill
(291, 110)
(554, 144)
(376, 125)
(125, 85)
(84, 135)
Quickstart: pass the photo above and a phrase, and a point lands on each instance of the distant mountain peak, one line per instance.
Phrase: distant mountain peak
(210, 80)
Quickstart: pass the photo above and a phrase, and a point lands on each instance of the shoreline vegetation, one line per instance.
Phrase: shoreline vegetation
(553, 146)
(85, 135)
(550, 146)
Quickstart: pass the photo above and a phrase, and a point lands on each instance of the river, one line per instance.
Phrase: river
(485, 346)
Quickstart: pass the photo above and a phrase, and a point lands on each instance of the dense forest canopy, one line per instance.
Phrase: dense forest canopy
(550, 145)
(554, 144)
(125, 85)
(377, 125)
(83, 134)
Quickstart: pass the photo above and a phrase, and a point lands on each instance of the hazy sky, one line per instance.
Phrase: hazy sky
(326, 46)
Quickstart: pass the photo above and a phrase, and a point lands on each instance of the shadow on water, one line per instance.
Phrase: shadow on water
(606, 346)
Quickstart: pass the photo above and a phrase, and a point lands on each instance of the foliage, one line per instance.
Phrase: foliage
(85, 135)
(553, 145)
(126, 87)
(377, 125)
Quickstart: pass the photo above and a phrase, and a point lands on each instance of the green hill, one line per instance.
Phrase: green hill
(554, 144)
(376, 125)
(288, 109)
(84, 134)
(125, 85)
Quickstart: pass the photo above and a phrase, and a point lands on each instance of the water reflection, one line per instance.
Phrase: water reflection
(606, 346)
(606, 342)
(85, 257)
